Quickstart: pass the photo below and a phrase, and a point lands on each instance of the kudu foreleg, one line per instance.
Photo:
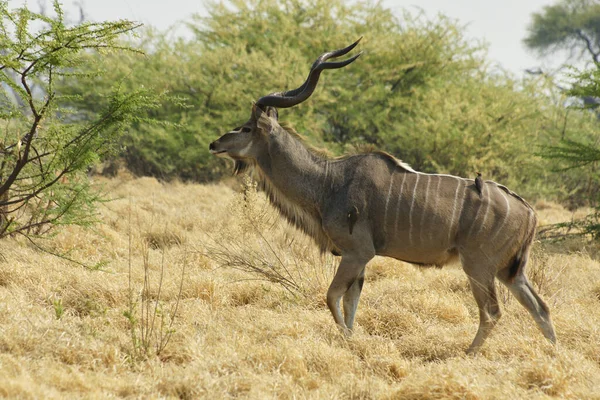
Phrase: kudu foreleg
(347, 283)
(351, 298)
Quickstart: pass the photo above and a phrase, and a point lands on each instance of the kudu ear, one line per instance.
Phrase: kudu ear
(258, 110)
(272, 113)
(265, 119)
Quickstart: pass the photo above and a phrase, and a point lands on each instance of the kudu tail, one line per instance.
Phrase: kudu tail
(517, 265)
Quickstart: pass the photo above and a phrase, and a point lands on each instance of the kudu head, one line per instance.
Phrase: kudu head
(245, 143)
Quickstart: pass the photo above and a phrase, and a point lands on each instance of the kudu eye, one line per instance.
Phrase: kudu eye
(245, 129)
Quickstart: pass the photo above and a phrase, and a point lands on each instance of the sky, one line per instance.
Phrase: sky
(501, 24)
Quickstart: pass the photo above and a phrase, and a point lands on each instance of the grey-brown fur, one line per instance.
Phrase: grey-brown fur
(352, 218)
(425, 219)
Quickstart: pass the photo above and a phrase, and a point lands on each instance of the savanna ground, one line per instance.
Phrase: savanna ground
(64, 330)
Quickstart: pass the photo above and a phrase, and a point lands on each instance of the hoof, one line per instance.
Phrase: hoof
(345, 331)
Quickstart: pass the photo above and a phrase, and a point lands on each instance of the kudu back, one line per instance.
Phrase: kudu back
(372, 204)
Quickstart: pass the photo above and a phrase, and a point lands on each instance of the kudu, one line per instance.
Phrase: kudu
(372, 204)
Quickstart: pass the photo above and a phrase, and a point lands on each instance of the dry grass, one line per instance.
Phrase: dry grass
(63, 333)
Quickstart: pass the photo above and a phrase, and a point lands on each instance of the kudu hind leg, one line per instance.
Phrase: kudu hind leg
(520, 287)
(345, 280)
(484, 291)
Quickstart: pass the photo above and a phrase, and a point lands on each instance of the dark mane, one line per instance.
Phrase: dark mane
(320, 152)
(358, 149)
(516, 196)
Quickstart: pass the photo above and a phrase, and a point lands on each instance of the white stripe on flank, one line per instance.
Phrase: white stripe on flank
(387, 203)
(410, 241)
(505, 215)
(435, 205)
(399, 200)
(326, 171)
(458, 185)
(487, 207)
(425, 210)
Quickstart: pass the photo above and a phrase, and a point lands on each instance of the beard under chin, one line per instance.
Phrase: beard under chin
(240, 166)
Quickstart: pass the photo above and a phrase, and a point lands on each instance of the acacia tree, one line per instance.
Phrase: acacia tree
(581, 152)
(46, 146)
(574, 26)
(571, 25)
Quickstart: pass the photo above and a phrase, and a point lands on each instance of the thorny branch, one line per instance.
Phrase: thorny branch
(588, 44)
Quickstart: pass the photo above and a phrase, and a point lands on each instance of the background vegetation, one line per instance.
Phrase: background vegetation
(421, 91)
(568, 26)
(571, 27)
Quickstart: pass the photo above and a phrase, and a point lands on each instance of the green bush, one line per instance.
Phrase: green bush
(47, 144)
(421, 91)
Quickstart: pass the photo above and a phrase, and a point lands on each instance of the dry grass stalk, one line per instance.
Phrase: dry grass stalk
(151, 326)
(259, 240)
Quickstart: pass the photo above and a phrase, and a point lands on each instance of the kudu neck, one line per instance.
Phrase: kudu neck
(293, 169)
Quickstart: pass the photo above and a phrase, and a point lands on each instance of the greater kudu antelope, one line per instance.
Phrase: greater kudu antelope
(372, 204)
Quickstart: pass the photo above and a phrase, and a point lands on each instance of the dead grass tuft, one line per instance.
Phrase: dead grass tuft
(392, 324)
(87, 299)
(7, 275)
(249, 293)
(164, 239)
(450, 385)
(596, 292)
(203, 288)
(549, 376)
(396, 370)
(178, 388)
